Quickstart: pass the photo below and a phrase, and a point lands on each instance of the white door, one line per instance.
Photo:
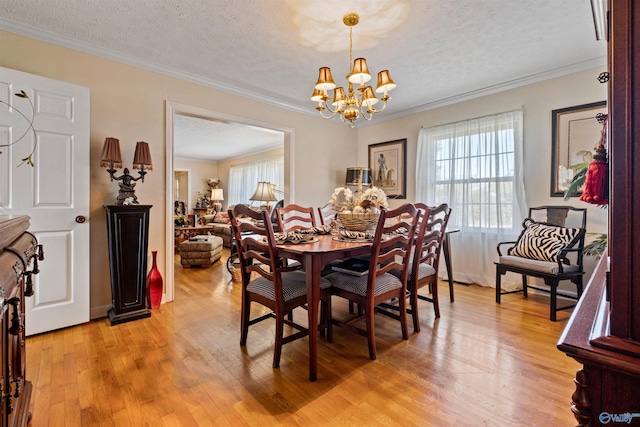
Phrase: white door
(54, 192)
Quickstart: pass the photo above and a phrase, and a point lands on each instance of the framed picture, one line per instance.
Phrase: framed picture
(388, 163)
(575, 134)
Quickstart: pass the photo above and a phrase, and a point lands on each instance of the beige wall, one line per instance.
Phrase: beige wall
(538, 100)
(199, 174)
(129, 103)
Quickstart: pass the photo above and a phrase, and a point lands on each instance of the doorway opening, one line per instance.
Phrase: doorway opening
(174, 113)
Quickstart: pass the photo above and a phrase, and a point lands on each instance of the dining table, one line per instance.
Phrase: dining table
(314, 256)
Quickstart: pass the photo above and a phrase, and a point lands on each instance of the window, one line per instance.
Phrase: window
(243, 179)
(476, 167)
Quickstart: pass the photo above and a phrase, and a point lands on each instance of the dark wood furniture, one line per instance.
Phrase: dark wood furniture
(294, 217)
(603, 333)
(277, 287)
(314, 257)
(128, 236)
(424, 269)
(19, 256)
(568, 266)
(386, 279)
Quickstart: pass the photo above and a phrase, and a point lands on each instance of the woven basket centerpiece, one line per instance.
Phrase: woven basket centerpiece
(361, 221)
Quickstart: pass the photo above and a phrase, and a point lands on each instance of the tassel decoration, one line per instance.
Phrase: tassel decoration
(596, 185)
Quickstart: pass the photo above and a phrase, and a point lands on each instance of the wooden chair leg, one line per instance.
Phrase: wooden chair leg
(413, 304)
(553, 285)
(434, 297)
(244, 320)
(277, 350)
(371, 336)
(524, 286)
(403, 317)
(498, 284)
(351, 308)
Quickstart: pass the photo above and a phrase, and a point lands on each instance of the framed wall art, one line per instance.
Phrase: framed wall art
(575, 133)
(388, 163)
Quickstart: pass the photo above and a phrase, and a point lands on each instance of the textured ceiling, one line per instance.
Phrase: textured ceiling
(438, 52)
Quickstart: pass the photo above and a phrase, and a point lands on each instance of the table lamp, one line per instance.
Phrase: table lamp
(264, 193)
(358, 177)
(216, 196)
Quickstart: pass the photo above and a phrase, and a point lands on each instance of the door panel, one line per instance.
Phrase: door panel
(52, 192)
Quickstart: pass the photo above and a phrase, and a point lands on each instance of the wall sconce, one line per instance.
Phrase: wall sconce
(112, 159)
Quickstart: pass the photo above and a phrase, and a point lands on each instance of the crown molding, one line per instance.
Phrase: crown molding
(501, 87)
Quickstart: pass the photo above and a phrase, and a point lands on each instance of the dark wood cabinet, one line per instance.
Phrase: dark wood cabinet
(19, 256)
(604, 331)
(128, 236)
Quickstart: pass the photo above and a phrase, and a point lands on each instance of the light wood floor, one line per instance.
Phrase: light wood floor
(479, 364)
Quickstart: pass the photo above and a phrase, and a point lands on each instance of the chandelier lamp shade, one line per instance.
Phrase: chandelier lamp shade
(353, 103)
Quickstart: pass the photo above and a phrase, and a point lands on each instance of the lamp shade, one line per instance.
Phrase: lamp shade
(263, 193)
(385, 83)
(354, 174)
(360, 72)
(325, 79)
(368, 97)
(216, 194)
(111, 157)
(142, 157)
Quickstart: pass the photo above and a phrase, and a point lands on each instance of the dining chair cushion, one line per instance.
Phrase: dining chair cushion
(294, 285)
(543, 241)
(358, 284)
(424, 270)
(537, 265)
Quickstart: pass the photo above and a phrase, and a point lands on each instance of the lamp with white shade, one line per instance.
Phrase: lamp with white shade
(216, 196)
(264, 193)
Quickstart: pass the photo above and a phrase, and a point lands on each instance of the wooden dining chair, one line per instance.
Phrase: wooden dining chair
(425, 260)
(294, 217)
(326, 214)
(266, 279)
(390, 251)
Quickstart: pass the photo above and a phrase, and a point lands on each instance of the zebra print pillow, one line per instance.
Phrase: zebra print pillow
(543, 241)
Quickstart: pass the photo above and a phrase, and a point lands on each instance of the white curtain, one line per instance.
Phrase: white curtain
(476, 167)
(244, 178)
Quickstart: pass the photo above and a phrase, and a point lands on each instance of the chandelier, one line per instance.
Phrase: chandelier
(356, 102)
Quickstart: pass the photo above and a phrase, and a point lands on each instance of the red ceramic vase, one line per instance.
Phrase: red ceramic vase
(154, 284)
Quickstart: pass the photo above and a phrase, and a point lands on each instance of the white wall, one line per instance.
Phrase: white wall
(538, 100)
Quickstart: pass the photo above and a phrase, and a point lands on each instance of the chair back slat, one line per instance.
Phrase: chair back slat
(431, 233)
(257, 251)
(294, 217)
(392, 244)
(326, 214)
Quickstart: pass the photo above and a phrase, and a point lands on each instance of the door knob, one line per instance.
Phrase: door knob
(80, 219)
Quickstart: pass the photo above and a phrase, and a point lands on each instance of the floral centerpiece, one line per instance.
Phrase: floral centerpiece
(360, 210)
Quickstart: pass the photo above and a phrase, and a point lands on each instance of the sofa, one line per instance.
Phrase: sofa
(220, 226)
